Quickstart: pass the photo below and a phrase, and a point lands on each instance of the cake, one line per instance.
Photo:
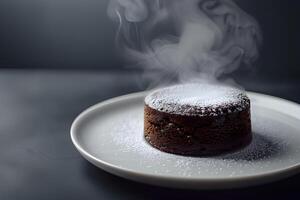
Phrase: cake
(197, 119)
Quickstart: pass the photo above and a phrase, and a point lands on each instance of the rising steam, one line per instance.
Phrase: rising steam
(185, 39)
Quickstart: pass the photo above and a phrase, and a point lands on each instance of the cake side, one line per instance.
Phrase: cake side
(197, 135)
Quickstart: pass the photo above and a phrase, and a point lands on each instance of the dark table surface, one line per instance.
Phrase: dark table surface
(38, 160)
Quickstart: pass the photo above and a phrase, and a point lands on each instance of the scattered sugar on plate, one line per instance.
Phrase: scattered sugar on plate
(268, 144)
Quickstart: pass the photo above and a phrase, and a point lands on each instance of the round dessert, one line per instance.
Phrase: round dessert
(197, 119)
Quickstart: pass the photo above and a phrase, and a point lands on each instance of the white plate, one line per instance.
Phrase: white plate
(110, 135)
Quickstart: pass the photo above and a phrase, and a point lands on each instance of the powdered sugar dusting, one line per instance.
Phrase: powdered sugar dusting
(197, 99)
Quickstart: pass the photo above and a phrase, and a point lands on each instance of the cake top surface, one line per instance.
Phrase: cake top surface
(197, 99)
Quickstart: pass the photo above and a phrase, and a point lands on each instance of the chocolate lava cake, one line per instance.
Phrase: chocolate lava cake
(197, 119)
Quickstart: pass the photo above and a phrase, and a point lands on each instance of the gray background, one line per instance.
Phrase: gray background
(77, 34)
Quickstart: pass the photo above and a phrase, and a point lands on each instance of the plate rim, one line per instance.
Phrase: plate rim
(213, 182)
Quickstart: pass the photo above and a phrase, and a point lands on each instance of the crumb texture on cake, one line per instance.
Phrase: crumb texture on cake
(198, 99)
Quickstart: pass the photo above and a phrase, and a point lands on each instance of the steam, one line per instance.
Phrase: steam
(185, 39)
